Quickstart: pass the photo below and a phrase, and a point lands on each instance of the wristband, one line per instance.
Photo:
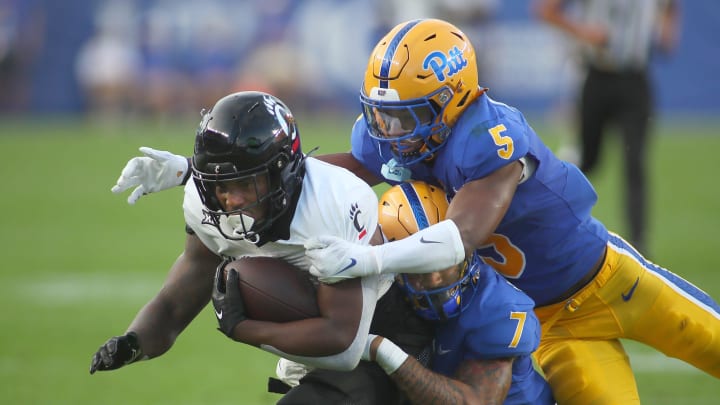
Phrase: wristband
(389, 356)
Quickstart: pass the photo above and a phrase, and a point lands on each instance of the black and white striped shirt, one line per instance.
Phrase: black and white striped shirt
(632, 26)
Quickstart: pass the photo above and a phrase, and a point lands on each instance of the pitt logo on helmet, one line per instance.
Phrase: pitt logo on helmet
(438, 62)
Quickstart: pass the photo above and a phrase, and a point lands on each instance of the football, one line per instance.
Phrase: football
(274, 290)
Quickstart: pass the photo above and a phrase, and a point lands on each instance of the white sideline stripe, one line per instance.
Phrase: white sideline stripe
(658, 363)
(73, 288)
(70, 288)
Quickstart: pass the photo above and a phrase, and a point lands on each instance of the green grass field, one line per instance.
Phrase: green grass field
(79, 262)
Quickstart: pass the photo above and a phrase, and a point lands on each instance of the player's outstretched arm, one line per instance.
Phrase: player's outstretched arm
(160, 170)
(118, 351)
(156, 171)
(476, 382)
(185, 293)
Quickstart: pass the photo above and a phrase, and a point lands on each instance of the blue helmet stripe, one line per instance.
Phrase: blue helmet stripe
(390, 51)
(415, 205)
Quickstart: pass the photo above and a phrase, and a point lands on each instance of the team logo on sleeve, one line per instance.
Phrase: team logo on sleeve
(355, 213)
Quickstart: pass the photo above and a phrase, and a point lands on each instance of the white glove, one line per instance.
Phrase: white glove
(156, 171)
(333, 259)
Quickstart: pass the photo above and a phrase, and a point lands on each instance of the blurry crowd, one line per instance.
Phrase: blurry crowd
(166, 57)
(171, 56)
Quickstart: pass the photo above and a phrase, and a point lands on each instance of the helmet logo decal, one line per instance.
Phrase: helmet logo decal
(390, 52)
(279, 112)
(355, 215)
(441, 64)
(418, 211)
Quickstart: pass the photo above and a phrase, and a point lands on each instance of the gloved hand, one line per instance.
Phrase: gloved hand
(227, 300)
(156, 171)
(116, 352)
(333, 259)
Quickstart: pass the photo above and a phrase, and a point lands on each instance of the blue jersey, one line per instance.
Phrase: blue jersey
(498, 323)
(548, 239)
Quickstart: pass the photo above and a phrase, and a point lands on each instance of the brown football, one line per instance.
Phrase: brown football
(274, 290)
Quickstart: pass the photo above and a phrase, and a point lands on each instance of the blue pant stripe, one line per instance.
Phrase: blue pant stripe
(679, 284)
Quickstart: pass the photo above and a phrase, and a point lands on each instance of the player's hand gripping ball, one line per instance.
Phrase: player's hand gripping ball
(274, 290)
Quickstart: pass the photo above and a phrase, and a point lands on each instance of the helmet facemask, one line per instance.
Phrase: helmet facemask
(246, 222)
(413, 128)
(444, 301)
(247, 145)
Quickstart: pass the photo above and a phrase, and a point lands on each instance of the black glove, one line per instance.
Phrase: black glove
(116, 352)
(227, 300)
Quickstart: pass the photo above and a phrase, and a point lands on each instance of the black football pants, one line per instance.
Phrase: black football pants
(624, 99)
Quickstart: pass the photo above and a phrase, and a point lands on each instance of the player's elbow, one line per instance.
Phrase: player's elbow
(349, 348)
(344, 342)
(350, 357)
(348, 364)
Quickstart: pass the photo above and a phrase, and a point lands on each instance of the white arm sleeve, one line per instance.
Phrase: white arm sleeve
(350, 357)
(434, 248)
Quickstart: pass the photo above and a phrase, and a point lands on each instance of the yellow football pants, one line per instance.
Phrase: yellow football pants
(580, 351)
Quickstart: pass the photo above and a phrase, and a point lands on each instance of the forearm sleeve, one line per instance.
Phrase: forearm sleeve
(434, 248)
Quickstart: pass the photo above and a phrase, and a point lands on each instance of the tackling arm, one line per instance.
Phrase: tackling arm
(476, 381)
(480, 205)
(473, 215)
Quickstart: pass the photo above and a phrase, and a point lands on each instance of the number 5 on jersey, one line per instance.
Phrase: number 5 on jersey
(504, 142)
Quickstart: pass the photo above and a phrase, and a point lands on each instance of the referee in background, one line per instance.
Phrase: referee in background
(616, 39)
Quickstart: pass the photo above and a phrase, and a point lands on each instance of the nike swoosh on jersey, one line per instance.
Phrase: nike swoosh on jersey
(219, 314)
(626, 297)
(352, 263)
(423, 240)
(442, 351)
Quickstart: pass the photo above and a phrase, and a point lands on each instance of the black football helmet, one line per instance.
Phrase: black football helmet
(244, 136)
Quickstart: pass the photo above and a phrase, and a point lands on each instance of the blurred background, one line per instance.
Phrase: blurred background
(160, 57)
(84, 83)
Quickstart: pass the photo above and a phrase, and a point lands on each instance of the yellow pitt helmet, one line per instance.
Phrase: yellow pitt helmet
(419, 79)
(410, 207)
